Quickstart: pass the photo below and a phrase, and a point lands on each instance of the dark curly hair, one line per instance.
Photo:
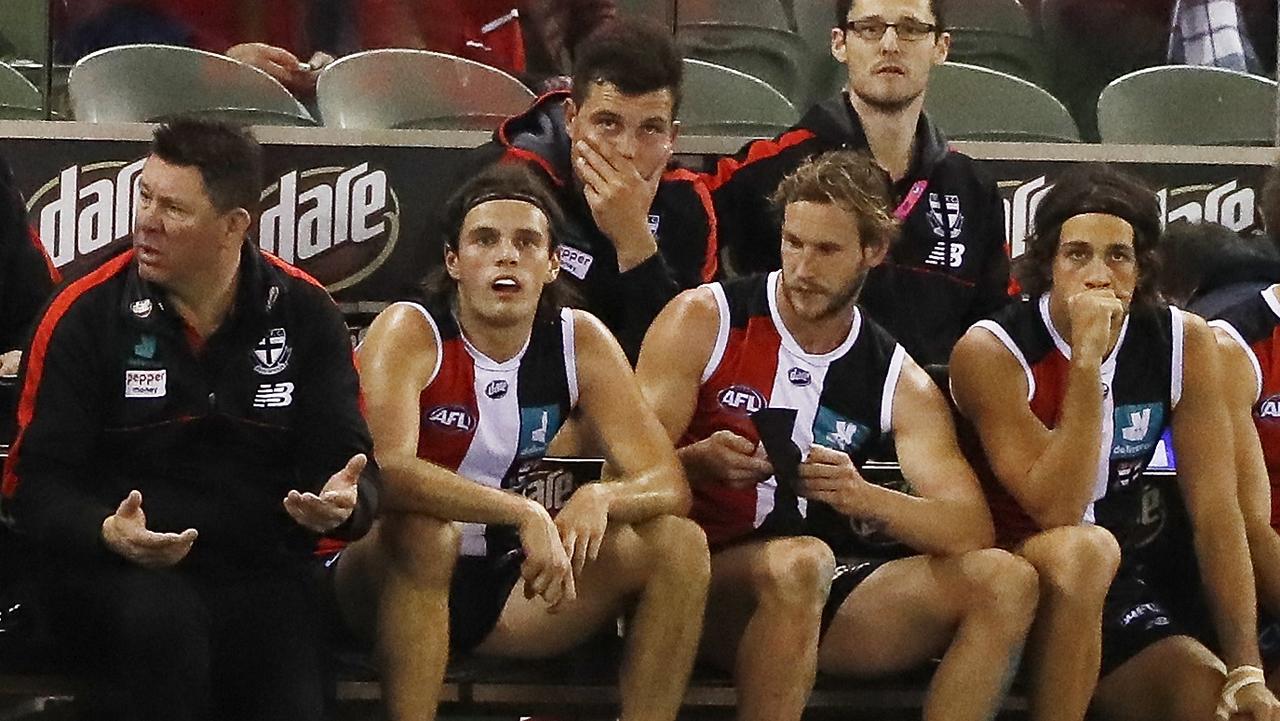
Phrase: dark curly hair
(1093, 188)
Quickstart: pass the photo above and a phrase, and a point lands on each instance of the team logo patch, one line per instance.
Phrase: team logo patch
(496, 389)
(272, 353)
(741, 398)
(452, 418)
(945, 218)
(1269, 407)
(799, 377)
(654, 222)
(575, 262)
(273, 395)
(146, 383)
(538, 425)
(145, 348)
(1137, 428)
(838, 432)
(141, 308)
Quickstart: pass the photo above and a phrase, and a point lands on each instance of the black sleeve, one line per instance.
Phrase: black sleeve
(749, 229)
(992, 292)
(334, 428)
(686, 257)
(61, 409)
(26, 276)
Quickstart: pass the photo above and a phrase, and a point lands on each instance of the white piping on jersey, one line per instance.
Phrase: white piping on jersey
(790, 342)
(1061, 343)
(1269, 296)
(1006, 340)
(1177, 330)
(890, 387)
(435, 331)
(1234, 334)
(487, 363)
(570, 354)
(722, 332)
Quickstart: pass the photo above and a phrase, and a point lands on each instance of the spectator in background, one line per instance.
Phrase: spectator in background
(534, 39)
(1206, 267)
(271, 35)
(636, 234)
(949, 268)
(27, 277)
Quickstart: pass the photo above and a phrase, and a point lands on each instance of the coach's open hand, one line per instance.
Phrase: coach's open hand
(328, 510)
(125, 532)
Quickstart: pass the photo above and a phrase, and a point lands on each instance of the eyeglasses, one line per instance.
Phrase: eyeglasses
(907, 30)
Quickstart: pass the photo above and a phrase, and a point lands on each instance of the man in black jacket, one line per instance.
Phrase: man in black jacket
(950, 267)
(188, 428)
(636, 234)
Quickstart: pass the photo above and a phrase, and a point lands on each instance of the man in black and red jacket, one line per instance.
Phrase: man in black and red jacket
(189, 426)
(637, 234)
(949, 268)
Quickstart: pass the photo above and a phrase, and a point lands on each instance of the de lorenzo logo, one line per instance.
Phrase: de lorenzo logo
(741, 398)
(339, 224)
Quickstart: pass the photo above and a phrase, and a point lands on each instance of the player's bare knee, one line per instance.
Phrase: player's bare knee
(419, 546)
(1079, 561)
(1001, 585)
(795, 572)
(677, 546)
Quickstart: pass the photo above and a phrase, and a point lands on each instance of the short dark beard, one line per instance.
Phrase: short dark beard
(888, 107)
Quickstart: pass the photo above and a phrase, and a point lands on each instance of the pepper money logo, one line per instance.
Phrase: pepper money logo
(338, 223)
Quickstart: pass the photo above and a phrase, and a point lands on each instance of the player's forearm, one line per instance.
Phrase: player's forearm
(412, 485)
(1228, 576)
(659, 490)
(1060, 485)
(1264, 552)
(937, 526)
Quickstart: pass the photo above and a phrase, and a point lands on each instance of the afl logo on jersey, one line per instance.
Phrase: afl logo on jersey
(799, 377)
(1269, 408)
(496, 389)
(741, 398)
(452, 418)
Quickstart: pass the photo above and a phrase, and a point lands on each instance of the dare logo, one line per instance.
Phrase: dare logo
(85, 210)
(338, 224)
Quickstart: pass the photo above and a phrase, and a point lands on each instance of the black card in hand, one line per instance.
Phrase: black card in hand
(774, 425)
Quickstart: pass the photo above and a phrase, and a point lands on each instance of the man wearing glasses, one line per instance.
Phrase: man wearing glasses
(950, 261)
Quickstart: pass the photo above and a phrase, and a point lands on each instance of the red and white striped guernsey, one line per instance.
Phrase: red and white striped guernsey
(483, 419)
(1141, 385)
(843, 399)
(1255, 324)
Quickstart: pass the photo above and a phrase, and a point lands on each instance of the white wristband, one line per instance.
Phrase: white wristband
(1238, 678)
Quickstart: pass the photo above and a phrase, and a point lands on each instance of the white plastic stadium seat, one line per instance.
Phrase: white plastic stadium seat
(417, 89)
(146, 83)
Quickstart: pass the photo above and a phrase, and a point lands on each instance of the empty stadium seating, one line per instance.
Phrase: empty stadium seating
(720, 100)
(974, 103)
(141, 83)
(1182, 105)
(416, 89)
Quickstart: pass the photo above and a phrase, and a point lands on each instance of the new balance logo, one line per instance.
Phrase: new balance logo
(946, 255)
(273, 395)
(1139, 425)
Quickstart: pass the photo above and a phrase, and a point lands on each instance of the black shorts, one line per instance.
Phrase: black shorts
(1136, 614)
(478, 592)
(849, 574)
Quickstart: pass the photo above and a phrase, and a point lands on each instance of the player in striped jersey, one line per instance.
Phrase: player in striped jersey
(813, 565)
(464, 391)
(1069, 391)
